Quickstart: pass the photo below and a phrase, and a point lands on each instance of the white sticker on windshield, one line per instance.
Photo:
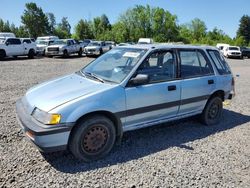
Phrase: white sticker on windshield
(131, 54)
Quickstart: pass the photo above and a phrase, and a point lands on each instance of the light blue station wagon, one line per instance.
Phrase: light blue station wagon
(125, 89)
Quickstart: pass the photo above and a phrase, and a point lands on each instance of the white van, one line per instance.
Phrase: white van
(145, 41)
(221, 47)
(7, 35)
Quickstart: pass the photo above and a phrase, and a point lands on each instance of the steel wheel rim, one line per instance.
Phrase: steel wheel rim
(95, 139)
(213, 111)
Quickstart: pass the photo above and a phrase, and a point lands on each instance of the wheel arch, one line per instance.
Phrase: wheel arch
(218, 93)
(3, 50)
(107, 114)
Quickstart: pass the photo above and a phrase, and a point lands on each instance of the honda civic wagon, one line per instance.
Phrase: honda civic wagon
(125, 89)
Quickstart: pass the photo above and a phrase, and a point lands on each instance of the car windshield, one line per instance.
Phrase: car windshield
(59, 42)
(115, 65)
(94, 44)
(233, 48)
(43, 42)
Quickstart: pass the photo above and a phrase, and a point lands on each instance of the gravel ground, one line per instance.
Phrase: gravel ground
(178, 154)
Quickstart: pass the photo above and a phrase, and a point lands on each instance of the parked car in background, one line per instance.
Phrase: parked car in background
(245, 52)
(145, 41)
(86, 42)
(221, 47)
(17, 47)
(41, 45)
(96, 48)
(232, 51)
(112, 44)
(125, 89)
(48, 38)
(123, 44)
(64, 47)
(7, 35)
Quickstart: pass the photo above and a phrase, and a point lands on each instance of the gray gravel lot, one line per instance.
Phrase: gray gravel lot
(177, 154)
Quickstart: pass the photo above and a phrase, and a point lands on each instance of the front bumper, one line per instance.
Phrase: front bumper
(53, 53)
(96, 52)
(47, 139)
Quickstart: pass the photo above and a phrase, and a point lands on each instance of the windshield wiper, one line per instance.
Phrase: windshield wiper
(93, 76)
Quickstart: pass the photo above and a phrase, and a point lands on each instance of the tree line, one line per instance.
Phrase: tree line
(137, 22)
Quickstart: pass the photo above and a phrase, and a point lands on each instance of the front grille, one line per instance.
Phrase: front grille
(90, 50)
(235, 53)
(51, 49)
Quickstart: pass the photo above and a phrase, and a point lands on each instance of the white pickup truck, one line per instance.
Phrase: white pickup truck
(17, 47)
(64, 47)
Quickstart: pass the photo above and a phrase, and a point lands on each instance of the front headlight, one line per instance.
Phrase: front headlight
(45, 117)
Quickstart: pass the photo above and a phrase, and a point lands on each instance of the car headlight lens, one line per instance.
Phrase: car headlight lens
(45, 117)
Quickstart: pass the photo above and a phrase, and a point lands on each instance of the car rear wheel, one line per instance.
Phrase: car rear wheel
(93, 138)
(2, 54)
(211, 114)
(80, 52)
(31, 54)
(65, 53)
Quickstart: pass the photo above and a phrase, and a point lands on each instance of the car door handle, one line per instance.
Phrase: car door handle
(210, 81)
(172, 88)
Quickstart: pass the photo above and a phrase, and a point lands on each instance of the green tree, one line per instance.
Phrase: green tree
(244, 29)
(83, 30)
(35, 20)
(63, 29)
(52, 23)
(198, 29)
(22, 32)
(100, 26)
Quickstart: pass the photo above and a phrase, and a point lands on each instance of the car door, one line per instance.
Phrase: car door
(14, 46)
(198, 80)
(157, 100)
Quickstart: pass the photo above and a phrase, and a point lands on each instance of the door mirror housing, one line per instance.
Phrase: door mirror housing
(140, 79)
(7, 43)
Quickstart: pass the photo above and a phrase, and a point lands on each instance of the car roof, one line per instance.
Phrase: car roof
(168, 46)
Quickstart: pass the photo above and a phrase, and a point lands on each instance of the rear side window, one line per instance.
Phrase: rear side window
(193, 63)
(14, 41)
(219, 62)
(27, 41)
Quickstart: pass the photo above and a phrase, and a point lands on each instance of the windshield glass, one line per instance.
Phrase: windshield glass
(114, 65)
(43, 42)
(233, 48)
(94, 44)
(56, 42)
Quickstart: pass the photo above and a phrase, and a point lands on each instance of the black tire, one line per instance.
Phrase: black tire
(211, 114)
(80, 52)
(92, 138)
(2, 54)
(101, 51)
(65, 53)
(31, 54)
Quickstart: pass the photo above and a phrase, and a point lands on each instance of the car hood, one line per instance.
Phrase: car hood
(51, 94)
(230, 51)
(41, 45)
(92, 47)
(57, 46)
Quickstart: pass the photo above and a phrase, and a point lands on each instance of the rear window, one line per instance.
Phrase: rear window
(219, 61)
(194, 63)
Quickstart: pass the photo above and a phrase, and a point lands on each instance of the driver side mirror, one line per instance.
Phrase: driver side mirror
(140, 79)
(7, 43)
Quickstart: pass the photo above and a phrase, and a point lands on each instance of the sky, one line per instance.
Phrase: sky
(223, 14)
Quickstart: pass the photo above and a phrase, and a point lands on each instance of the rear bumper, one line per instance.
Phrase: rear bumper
(47, 139)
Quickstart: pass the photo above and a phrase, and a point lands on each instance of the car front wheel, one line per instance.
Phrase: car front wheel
(211, 114)
(92, 138)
